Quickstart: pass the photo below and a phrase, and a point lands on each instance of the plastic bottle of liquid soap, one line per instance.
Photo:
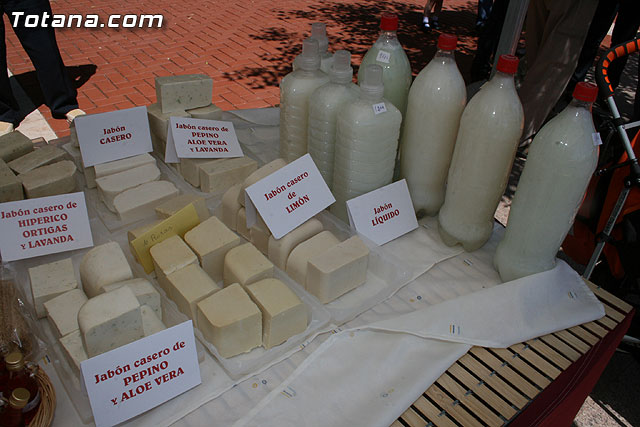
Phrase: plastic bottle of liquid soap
(559, 165)
(366, 142)
(490, 128)
(324, 104)
(436, 100)
(295, 89)
(319, 32)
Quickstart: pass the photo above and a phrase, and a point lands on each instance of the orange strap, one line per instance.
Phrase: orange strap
(602, 74)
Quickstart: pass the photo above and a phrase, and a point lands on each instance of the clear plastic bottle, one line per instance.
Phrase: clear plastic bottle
(295, 89)
(490, 128)
(324, 104)
(559, 165)
(436, 101)
(319, 32)
(366, 142)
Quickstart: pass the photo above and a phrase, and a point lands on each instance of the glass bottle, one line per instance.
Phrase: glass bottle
(13, 415)
(21, 377)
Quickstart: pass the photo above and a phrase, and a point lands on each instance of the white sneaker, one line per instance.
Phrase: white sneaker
(73, 114)
(5, 128)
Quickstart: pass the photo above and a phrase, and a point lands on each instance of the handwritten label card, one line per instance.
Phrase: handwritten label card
(114, 135)
(200, 138)
(136, 377)
(42, 226)
(383, 214)
(290, 196)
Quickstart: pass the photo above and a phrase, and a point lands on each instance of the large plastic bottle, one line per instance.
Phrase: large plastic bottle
(324, 104)
(319, 32)
(295, 89)
(366, 142)
(561, 160)
(436, 101)
(490, 128)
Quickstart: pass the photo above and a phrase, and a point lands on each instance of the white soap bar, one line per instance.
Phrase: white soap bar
(179, 93)
(103, 265)
(10, 186)
(63, 311)
(231, 206)
(137, 232)
(260, 235)
(50, 180)
(170, 207)
(259, 174)
(301, 254)
(110, 320)
(219, 176)
(190, 169)
(245, 264)
(74, 350)
(111, 185)
(280, 249)
(109, 168)
(50, 280)
(336, 272)
(159, 121)
(241, 224)
(89, 173)
(90, 176)
(143, 290)
(151, 322)
(283, 314)
(211, 240)
(13, 145)
(188, 286)
(230, 321)
(210, 112)
(136, 202)
(169, 256)
(40, 157)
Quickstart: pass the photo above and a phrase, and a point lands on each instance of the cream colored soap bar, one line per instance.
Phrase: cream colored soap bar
(90, 176)
(339, 270)
(109, 168)
(169, 256)
(103, 265)
(151, 322)
(143, 290)
(231, 206)
(13, 145)
(111, 185)
(40, 157)
(50, 280)
(217, 177)
(260, 234)
(301, 254)
(170, 207)
(280, 249)
(137, 232)
(50, 180)
(110, 320)
(230, 321)
(190, 169)
(10, 186)
(188, 286)
(74, 350)
(283, 314)
(210, 112)
(259, 174)
(134, 203)
(211, 240)
(159, 121)
(63, 311)
(241, 224)
(183, 92)
(245, 264)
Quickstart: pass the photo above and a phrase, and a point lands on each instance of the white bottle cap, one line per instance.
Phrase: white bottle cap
(319, 32)
(309, 59)
(341, 71)
(372, 85)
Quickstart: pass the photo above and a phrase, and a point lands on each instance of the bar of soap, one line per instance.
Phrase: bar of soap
(50, 280)
(103, 265)
(210, 112)
(13, 145)
(159, 121)
(63, 311)
(301, 254)
(143, 290)
(137, 232)
(336, 272)
(74, 350)
(230, 321)
(211, 240)
(217, 177)
(151, 322)
(110, 320)
(188, 286)
(50, 180)
(134, 203)
(169, 256)
(245, 264)
(259, 174)
(185, 92)
(190, 169)
(283, 314)
(36, 158)
(111, 185)
(280, 249)
(170, 207)
(241, 224)
(109, 168)
(260, 234)
(90, 176)
(231, 206)
(10, 186)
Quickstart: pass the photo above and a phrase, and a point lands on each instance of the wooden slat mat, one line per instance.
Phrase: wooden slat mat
(490, 386)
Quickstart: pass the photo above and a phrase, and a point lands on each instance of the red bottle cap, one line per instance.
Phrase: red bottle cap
(389, 22)
(508, 64)
(447, 42)
(585, 92)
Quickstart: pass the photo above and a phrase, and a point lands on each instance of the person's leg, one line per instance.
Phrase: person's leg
(488, 41)
(9, 109)
(484, 10)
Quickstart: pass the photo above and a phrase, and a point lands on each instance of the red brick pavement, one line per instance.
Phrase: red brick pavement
(246, 47)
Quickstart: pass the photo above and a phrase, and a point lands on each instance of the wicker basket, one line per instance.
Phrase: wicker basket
(47, 408)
